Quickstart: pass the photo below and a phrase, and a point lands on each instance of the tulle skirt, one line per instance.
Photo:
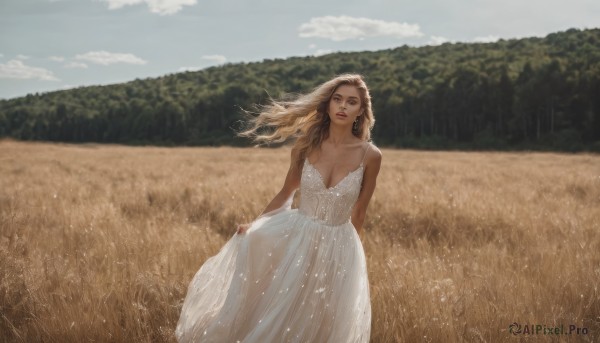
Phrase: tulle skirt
(289, 278)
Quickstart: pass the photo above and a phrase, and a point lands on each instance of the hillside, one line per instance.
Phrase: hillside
(531, 93)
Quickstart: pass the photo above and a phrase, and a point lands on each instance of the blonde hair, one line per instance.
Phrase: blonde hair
(305, 118)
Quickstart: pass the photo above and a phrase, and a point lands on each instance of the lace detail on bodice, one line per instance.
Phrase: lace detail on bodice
(333, 205)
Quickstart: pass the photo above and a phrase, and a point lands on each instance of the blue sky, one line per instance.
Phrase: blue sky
(58, 44)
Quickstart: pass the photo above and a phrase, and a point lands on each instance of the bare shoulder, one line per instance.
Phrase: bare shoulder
(373, 156)
(295, 158)
(295, 153)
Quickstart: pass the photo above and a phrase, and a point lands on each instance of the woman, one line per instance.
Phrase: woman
(298, 275)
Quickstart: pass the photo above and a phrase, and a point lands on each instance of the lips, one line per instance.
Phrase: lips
(341, 114)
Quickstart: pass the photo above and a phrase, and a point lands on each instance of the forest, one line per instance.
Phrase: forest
(531, 93)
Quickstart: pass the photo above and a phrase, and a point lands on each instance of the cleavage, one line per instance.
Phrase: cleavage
(331, 176)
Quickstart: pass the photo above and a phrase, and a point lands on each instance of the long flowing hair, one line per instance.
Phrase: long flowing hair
(305, 118)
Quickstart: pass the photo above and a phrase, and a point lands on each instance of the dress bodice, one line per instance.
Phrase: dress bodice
(332, 206)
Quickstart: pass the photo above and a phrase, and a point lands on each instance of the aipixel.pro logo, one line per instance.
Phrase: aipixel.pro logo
(540, 329)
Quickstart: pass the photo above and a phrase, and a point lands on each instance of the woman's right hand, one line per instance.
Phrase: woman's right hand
(242, 228)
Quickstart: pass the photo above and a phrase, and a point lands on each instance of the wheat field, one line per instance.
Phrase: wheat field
(99, 242)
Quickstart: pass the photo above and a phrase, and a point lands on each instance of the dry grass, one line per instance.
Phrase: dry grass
(98, 243)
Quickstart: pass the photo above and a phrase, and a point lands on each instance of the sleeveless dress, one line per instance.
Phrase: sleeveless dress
(296, 275)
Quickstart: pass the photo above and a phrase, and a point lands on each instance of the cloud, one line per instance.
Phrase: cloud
(344, 27)
(162, 7)
(16, 69)
(66, 86)
(116, 4)
(219, 59)
(75, 65)
(56, 58)
(486, 39)
(182, 69)
(437, 40)
(321, 52)
(22, 57)
(1, 55)
(318, 52)
(106, 58)
(215, 59)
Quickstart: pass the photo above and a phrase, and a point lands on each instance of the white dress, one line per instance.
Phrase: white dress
(296, 275)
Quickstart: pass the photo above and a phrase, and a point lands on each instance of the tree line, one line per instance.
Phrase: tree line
(530, 93)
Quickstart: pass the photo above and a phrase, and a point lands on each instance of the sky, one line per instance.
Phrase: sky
(48, 45)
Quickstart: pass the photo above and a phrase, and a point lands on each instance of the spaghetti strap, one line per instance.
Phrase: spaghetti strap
(365, 154)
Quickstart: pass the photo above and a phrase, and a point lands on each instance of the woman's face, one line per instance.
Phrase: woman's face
(345, 105)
